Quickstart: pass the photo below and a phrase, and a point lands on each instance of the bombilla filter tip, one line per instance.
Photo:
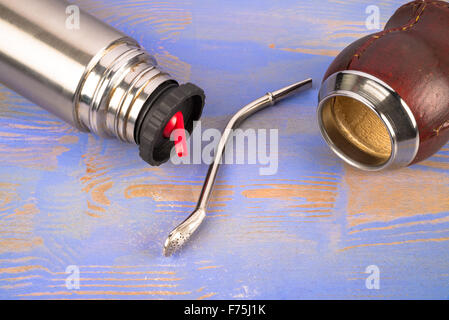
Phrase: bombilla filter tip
(182, 233)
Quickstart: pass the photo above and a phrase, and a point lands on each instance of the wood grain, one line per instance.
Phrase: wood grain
(309, 231)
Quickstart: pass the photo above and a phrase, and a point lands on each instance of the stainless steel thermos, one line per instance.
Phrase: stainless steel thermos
(92, 75)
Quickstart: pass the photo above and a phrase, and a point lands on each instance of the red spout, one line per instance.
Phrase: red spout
(176, 123)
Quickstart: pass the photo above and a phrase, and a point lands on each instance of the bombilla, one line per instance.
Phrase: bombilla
(181, 234)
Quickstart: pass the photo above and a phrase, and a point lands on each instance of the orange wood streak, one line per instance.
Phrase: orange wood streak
(21, 269)
(35, 276)
(171, 192)
(208, 267)
(19, 223)
(94, 207)
(321, 52)
(15, 286)
(46, 147)
(7, 195)
(395, 243)
(22, 259)
(208, 295)
(310, 193)
(125, 279)
(178, 69)
(98, 194)
(147, 285)
(387, 196)
(68, 139)
(97, 180)
(124, 272)
(115, 293)
(19, 245)
(436, 164)
(400, 225)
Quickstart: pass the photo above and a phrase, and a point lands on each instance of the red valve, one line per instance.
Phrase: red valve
(177, 123)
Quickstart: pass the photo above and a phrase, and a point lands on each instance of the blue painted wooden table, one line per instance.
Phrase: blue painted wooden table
(310, 231)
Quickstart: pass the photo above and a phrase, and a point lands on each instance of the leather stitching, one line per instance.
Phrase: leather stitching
(412, 22)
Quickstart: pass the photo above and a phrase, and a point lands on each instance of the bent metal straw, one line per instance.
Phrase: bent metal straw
(182, 233)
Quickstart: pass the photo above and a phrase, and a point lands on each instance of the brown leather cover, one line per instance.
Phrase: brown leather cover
(412, 56)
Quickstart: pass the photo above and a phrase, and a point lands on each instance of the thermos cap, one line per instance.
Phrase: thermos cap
(188, 99)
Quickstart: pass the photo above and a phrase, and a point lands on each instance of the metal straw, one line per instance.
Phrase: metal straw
(181, 234)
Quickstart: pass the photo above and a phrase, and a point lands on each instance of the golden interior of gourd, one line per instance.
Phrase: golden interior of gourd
(356, 130)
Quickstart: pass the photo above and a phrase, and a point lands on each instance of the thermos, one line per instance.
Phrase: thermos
(92, 76)
(384, 101)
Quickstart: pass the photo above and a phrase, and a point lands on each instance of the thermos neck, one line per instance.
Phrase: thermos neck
(115, 88)
(365, 122)
(124, 95)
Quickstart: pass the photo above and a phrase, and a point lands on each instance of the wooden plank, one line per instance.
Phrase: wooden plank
(309, 231)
